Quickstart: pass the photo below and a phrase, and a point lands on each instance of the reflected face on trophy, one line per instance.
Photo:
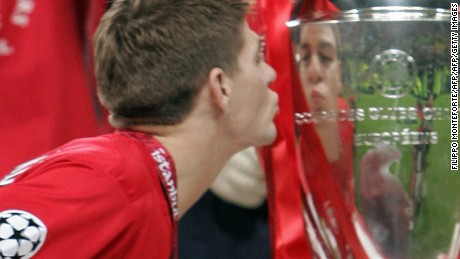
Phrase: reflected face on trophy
(319, 66)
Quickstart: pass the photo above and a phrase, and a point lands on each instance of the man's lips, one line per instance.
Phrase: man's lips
(316, 98)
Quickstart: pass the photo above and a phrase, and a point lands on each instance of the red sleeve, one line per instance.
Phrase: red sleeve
(84, 212)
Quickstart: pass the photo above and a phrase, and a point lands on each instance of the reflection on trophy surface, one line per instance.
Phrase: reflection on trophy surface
(320, 76)
(383, 201)
(319, 70)
(321, 79)
(377, 88)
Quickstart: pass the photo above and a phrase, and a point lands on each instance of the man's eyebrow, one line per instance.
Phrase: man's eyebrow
(324, 45)
(305, 46)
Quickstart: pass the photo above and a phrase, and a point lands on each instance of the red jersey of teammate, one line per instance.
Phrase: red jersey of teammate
(92, 198)
(47, 93)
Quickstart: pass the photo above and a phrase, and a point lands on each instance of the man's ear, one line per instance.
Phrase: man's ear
(220, 88)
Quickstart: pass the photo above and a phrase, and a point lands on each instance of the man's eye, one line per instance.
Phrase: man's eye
(261, 51)
(326, 59)
(305, 58)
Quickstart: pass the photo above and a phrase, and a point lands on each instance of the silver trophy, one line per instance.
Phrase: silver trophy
(377, 87)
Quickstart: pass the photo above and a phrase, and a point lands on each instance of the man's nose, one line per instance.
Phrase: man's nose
(315, 70)
(271, 73)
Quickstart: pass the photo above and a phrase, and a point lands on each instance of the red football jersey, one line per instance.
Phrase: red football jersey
(91, 198)
(47, 93)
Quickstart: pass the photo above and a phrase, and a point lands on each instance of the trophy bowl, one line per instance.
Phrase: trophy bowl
(375, 84)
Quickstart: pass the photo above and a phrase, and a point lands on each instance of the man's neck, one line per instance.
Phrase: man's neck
(199, 153)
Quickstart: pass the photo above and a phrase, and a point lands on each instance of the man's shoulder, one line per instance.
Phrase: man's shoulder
(109, 148)
(107, 144)
(112, 155)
